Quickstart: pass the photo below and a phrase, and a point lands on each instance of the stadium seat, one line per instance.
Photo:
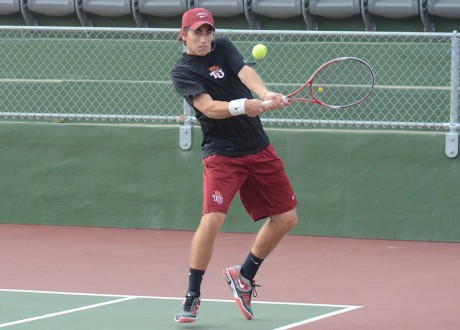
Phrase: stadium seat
(108, 8)
(368, 22)
(220, 8)
(428, 25)
(393, 8)
(444, 8)
(163, 8)
(137, 15)
(308, 17)
(335, 8)
(8, 7)
(276, 8)
(26, 13)
(52, 7)
(254, 24)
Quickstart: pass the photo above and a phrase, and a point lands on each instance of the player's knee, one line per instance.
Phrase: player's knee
(292, 220)
(288, 220)
(212, 222)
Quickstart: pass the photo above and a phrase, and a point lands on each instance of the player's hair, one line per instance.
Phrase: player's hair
(179, 37)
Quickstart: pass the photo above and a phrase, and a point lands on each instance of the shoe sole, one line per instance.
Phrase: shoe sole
(238, 301)
(185, 320)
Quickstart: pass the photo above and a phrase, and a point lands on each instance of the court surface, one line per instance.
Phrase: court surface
(93, 278)
(59, 310)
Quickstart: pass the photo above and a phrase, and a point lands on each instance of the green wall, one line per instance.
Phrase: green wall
(357, 183)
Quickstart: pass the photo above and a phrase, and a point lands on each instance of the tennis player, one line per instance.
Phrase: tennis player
(217, 81)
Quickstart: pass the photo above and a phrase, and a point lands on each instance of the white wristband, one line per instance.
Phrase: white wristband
(236, 107)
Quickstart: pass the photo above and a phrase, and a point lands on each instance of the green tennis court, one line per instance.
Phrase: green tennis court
(40, 310)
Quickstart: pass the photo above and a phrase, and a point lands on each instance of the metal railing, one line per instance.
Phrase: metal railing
(122, 74)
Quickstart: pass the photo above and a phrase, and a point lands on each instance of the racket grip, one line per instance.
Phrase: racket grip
(285, 101)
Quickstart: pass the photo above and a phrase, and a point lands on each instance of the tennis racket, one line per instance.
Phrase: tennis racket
(340, 83)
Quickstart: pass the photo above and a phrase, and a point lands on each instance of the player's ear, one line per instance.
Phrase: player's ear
(183, 34)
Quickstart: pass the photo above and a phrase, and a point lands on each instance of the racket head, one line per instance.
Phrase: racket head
(340, 83)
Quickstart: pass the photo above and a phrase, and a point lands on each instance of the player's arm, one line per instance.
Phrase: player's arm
(211, 108)
(249, 77)
(221, 109)
(252, 80)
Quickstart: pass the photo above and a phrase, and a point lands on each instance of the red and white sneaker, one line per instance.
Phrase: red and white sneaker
(242, 289)
(188, 310)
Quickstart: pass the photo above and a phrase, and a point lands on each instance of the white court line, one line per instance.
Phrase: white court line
(293, 325)
(4, 325)
(169, 298)
(345, 308)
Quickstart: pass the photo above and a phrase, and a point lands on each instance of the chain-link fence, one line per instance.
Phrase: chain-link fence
(123, 75)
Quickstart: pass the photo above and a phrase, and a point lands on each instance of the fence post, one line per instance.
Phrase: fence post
(452, 135)
(185, 130)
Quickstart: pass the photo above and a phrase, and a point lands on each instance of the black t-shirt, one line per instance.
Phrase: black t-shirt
(217, 75)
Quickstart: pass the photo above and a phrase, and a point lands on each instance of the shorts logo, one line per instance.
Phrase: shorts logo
(216, 72)
(217, 197)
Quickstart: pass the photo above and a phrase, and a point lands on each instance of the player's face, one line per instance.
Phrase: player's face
(199, 41)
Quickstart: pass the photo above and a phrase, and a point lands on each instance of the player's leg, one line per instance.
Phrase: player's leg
(241, 278)
(200, 255)
(267, 192)
(222, 178)
(203, 240)
(271, 233)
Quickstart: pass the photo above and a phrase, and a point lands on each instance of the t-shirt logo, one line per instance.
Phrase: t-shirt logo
(216, 72)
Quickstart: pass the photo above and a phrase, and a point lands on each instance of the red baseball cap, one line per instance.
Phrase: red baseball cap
(196, 17)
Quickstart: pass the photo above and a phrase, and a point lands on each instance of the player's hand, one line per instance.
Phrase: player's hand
(274, 101)
(271, 101)
(254, 107)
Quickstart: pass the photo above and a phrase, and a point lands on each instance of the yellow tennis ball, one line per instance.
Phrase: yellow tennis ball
(320, 89)
(259, 51)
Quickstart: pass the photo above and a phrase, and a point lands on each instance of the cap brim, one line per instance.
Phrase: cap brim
(200, 23)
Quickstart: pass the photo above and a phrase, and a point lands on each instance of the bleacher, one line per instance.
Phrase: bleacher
(139, 12)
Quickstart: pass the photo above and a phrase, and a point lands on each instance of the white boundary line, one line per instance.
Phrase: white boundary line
(293, 325)
(169, 298)
(345, 308)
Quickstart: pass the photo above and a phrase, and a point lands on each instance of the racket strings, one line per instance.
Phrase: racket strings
(342, 83)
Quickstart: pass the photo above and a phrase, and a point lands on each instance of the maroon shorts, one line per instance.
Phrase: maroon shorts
(263, 185)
